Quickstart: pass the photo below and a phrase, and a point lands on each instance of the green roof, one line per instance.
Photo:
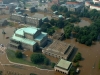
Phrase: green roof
(41, 36)
(29, 30)
(64, 64)
(23, 40)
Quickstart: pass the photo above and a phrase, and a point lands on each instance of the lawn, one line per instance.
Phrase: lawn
(12, 58)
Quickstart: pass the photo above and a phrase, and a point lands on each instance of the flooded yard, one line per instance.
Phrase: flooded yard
(83, 22)
(91, 57)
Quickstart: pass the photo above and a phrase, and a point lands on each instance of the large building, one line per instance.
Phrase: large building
(95, 4)
(28, 38)
(63, 66)
(25, 19)
(4, 9)
(73, 6)
(59, 49)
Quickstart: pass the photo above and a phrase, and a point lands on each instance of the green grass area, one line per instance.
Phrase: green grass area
(12, 58)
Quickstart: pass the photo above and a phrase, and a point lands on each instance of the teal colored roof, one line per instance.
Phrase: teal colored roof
(41, 36)
(17, 7)
(23, 40)
(44, 18)
(19, 12)
(60, 16)
(55, 12)
(29, 30)
(64, 64)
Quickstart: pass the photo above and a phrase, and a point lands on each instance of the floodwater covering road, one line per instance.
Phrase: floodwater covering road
(89, 64)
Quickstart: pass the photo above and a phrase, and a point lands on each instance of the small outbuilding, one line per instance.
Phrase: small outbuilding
(63, 66)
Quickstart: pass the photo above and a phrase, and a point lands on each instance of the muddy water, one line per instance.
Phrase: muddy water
(9, 31)
(91, 57)
(84, 22)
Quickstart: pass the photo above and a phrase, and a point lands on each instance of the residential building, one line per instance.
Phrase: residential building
(63, 66)
(29, 38)
(73, 6)
(59, 49)
(93, 5)
(80, 0)
(1, 2)
(25, 19)
(4, 9)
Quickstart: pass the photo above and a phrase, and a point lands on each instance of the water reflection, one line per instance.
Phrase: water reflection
(84, 22)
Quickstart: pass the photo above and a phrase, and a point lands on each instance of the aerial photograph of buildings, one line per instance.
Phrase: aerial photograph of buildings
(49, 37)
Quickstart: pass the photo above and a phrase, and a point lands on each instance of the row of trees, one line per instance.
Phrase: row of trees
(36, 58)
(92, 14)
(40, 58)
(84, 35)
(59, 8)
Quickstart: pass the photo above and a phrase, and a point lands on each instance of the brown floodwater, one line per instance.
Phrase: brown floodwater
(91, 57)
(89, 64)
(83, 22)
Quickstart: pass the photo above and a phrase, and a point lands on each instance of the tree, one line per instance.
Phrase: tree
(1, 72)
(33, 74)
(46, 61)
(77, 57)
(88, 42)
(60, 23)
(52, 65)
(54, 7)
(77, 64)
(18, 54)
(32, 9)
(37, 58)
(50, 31)
(52, 22)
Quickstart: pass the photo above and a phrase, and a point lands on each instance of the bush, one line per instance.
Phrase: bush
(37, 58)
(52, 65)
(1, 72)
(77, 57)
(18, 54)
(46, 61)
(32, 74)
(77, 64)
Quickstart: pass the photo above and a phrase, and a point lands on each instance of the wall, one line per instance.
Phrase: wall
(62, 70)
(95, 7)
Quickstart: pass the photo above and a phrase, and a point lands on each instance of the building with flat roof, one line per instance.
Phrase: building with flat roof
(73, 6)
(28, 38)
(25, 19)
(58, 35)
(59, 49)
(63, 66)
